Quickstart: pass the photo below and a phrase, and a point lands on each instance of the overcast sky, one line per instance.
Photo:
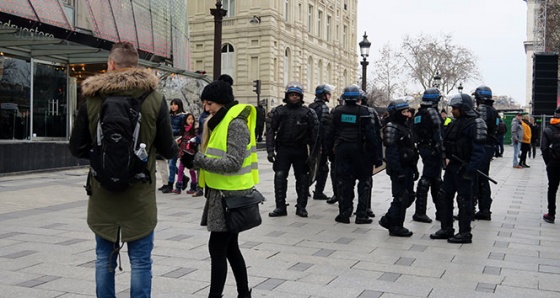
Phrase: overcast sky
(494, 30)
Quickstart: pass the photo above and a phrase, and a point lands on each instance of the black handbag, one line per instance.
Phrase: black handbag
(242, 212)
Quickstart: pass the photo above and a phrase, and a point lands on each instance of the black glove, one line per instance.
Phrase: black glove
(271, 157)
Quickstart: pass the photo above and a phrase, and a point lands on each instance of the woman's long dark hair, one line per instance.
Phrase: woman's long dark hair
(191, 131)
(179, 103)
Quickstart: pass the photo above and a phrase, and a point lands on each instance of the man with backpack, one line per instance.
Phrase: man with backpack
(122, 201)
(550, 147)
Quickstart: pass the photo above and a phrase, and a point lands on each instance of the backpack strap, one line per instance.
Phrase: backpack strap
(140, 100)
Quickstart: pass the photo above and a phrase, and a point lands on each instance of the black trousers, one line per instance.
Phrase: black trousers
(352, 165)
(553, 173)
(525, 147)
(224, 247)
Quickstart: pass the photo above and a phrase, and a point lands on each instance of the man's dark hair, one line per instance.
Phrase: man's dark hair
(124, 55)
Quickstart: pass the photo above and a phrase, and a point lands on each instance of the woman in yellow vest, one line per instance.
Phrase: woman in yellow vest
(228, 167)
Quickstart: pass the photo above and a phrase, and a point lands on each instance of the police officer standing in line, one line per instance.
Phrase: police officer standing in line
(428, 132)
(402, 158)
(483, 96)
(377, 159)
(291, 131)
(464, 148)
(351, 133)
(322, 96)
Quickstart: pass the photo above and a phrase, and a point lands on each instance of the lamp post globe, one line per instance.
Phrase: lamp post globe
(364, 52)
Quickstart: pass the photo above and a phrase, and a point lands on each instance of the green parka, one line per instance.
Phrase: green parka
(133, 210)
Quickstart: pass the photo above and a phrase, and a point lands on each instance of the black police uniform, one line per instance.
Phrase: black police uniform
(428, 133)
(550, 147)
(350, 133)
(402, 158)
(324, 117)
(464, 139)
(484, 193)
(291, 130)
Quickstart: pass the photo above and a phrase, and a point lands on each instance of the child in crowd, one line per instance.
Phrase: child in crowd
(187, 146)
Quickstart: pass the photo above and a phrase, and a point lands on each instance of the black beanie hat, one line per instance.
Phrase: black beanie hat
(226, 78)
(218, 92)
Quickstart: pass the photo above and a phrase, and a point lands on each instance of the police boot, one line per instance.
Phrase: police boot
(362, 218)
(320, 182)
(444, 233)
(245, 295)
(302, 189)
(280, 188)
(483, 215)
(459, 238)
(343, 218)
(396, 228)
(420, 214)
(332, 200)
(385, 222)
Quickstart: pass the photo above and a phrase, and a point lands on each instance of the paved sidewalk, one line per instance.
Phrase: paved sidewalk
(47, 250)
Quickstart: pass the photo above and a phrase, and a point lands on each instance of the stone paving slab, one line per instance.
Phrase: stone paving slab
(47, 250)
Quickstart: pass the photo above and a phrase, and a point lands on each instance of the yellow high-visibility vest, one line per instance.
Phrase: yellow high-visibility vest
(248, 175)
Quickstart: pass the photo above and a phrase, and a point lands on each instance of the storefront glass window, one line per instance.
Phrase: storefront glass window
(14, 98)
(49, 100)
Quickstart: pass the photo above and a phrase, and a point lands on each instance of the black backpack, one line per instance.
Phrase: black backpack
(113, 159)
(502, 127)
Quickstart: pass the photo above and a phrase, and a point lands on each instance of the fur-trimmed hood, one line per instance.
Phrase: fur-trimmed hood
(119, 80)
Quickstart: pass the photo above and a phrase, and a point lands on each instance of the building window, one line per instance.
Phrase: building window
(344, 31)
(15, 98)
(345, 4)
(286, 66)
(50, 102)
(309, 73)
(319, 19)
(328, 78)
(328, 28)
(227, 59)
(229, 5)
(310, 19)
(299, 12)
(286, 10)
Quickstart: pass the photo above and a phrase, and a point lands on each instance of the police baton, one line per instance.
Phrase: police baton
(464, 163)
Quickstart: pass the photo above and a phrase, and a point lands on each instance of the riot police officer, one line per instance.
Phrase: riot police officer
(483, 96)
(464, 142)
(319, 105)
(428, 132)
(402, 158)
(291, 129)
(351, 133)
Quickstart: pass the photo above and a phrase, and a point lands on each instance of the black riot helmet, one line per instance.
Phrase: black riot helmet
(483, 94)
(464, 103)
(363, 98)
(395, 108)
(351, 93)
(293, 87)
(431, 97)
(322, 90)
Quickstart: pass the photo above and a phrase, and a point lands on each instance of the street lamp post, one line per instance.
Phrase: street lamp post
(219, 15)
(460, 88)
(364, 51)
(436, 80)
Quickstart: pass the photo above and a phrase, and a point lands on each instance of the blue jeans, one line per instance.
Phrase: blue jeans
(172, 170)
(140, 256)
(516, 148)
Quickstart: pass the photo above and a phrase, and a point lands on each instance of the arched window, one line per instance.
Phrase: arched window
(286, 66)
(228, 59)
(309, 72)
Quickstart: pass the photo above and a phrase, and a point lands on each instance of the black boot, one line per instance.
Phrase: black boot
(443, 234)
(319, 196)
(185, 182)
(301, 212)
(421, 218)
(245, 295)
(280, 188)
(168, 188)
(332, 200)
(342, 218)
(422, 201)
(278, 211)
(370, 213)
(385, 222)
(362, 219)
(483, 215)
(399, 231)
(459, 238)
